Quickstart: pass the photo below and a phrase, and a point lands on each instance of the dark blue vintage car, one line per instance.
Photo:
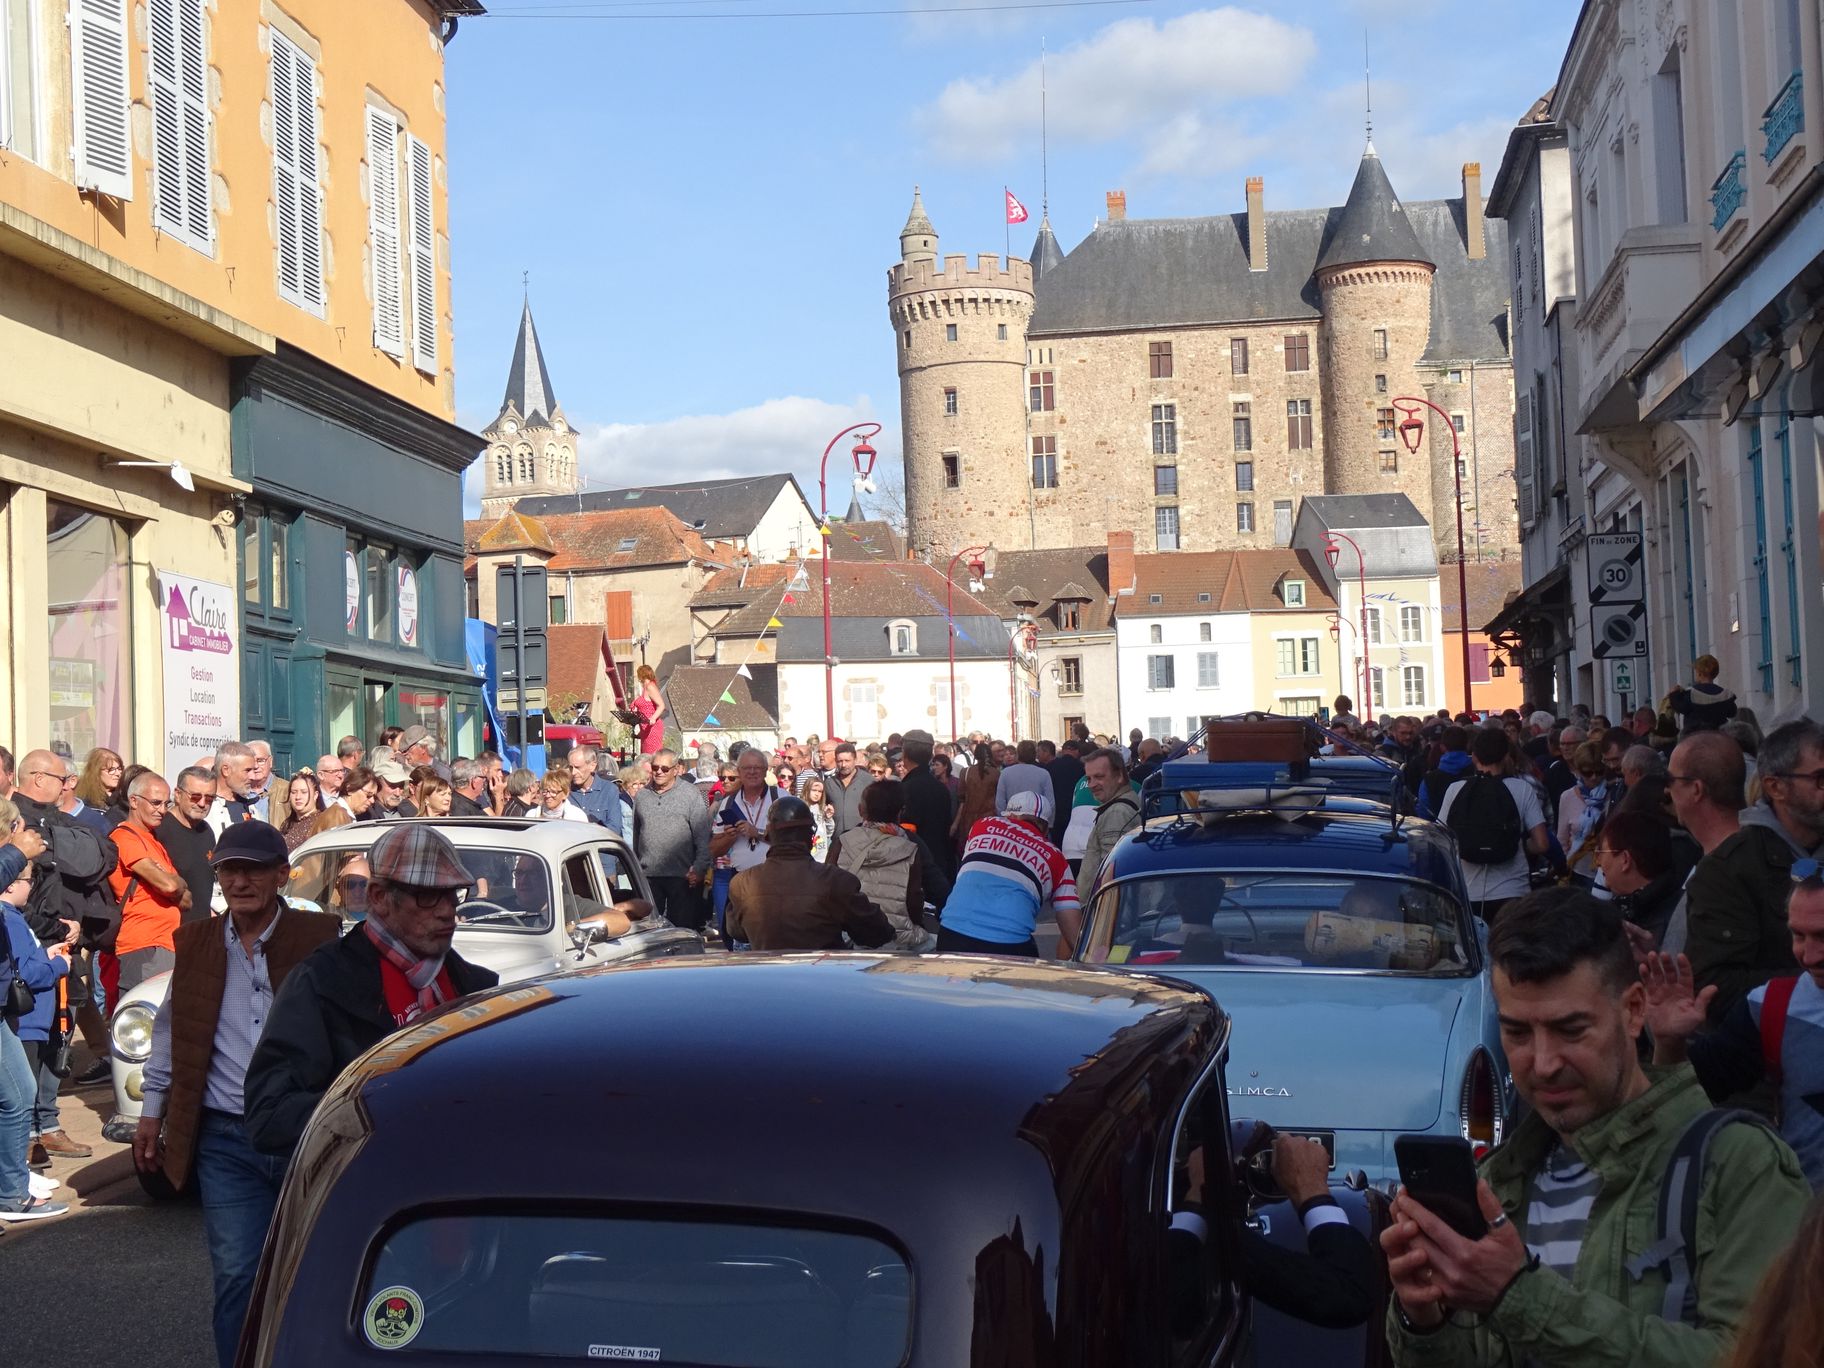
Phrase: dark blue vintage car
(858, 1161)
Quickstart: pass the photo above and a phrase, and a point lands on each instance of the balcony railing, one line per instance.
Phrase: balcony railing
(1785, 117)
(1729, 192)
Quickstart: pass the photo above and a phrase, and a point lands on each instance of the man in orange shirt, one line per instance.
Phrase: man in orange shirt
(153, 895)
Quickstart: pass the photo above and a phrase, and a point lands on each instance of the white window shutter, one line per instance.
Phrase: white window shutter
(98, 63)
(179, 78)
(296, 190)
(422, 180)
(383, 232)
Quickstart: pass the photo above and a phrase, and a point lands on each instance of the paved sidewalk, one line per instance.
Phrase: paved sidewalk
(97, 1181)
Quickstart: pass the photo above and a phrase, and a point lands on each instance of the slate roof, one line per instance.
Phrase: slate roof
(1491, 584)
(1236, 582)
(1045, 250)
(595, 541)
(1137, 274)
(719, 509)
(692, 693)
(529, 389)
(1077, 573)
(1373, 226)
(1346, 511)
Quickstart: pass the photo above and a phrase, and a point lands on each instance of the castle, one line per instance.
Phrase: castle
(531, 449)
(1193, 379)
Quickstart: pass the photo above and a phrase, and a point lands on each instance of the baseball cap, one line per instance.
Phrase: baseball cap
(392, 772)
(255, 842)
(417, 856)
(1032, 807)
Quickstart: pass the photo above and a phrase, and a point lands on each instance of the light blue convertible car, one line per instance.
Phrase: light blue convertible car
(1331, 927)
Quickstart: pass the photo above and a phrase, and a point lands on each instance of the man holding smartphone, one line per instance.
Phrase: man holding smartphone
(1574, 1266)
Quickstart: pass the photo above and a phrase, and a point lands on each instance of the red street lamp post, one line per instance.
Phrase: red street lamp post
(1412, 432)
(977, 568)
(1030, 632)
(1333, 553)
(863, 457)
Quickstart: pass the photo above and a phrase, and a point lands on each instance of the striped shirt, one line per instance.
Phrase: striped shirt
(1558, 1202)
(1008, 873)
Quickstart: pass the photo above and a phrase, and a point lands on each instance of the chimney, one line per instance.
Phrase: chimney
(1257, 224)
(1120, 563)
(1117, 205)
(1473, 236)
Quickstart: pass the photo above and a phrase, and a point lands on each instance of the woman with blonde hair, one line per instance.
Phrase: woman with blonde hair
(299, 821)
(650, 705)
(101, 782)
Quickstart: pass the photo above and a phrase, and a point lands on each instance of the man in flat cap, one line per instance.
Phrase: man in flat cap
(349, 996)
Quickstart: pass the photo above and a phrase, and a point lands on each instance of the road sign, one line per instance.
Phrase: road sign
(1621, 676)
(1618, 629)
(507, 654)
(1615, 559)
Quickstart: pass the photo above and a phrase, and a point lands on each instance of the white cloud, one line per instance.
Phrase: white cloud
(786, 434)
(1136, 77)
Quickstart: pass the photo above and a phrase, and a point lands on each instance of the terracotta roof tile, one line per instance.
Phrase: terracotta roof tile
(514, 531)
(872, 540)
(1234, 582)
(618, 539)
(862, 589)
(575, 660)
(1491, 584)
(693, 693)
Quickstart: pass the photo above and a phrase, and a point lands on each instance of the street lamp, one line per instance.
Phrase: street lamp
(977, 569)
(1030, 632)
(1333, 553)
(863, 458)
(1412, 431)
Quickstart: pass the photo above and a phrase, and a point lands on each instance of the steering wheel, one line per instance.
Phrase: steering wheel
(493, 913)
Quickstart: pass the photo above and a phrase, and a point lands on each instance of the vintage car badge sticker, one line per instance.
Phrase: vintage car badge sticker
(394, 1318)
(624, 1352)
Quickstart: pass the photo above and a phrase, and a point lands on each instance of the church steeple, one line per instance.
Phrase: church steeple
(1373, 225)
(529, 389)
(531, 448)
(918, 239)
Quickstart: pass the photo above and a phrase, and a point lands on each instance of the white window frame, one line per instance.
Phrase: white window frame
(1152, 672)
(9, 130)
(1295, 593)
(177, 79)
(1158, 728)
(1309, 646)
(1155, 634)
(910, 628)
(1411, 676)
(1373, 617)
(1412, 623)
(101, 98)
(297, 187)
(384, 232)
(1377, 683)
(421, 252)
(1068, 687)
(1209, 670)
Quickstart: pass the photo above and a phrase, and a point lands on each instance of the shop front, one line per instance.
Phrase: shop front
(351, 563)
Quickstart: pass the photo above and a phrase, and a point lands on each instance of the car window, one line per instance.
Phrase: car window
(1207, 1305)
(607, 1287)
(512, 890)
(616, 876)
(1280, 919)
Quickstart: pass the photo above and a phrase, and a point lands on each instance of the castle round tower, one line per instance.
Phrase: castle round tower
(1375, 280)
(961, 343)
(531, 448)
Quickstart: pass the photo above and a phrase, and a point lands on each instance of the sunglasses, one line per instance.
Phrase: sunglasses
(663, 769)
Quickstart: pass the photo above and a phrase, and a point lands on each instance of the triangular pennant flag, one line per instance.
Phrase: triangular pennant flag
(824, 530)
(745, 673)
(788, 599)
(712, 721)
(774, 622)
(727, 697)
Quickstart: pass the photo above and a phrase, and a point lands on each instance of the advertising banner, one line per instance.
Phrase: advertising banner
(202, 668)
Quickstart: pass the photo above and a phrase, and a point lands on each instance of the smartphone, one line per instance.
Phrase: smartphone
(1440, 1173)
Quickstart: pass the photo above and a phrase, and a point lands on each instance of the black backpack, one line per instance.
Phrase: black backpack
(1486, 821)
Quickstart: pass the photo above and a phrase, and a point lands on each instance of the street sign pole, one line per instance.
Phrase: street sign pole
(519, 641)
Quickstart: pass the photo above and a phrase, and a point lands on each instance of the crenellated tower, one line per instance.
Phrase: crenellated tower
(531, 448)
(960, 337)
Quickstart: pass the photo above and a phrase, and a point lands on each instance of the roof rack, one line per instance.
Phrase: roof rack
(1261, 762)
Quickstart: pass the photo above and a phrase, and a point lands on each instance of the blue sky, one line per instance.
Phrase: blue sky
(708, 207)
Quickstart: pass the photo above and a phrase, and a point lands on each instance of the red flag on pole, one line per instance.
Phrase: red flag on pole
(1016, 212)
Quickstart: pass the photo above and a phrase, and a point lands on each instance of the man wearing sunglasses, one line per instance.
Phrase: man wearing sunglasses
(189, 840)
(353, 993)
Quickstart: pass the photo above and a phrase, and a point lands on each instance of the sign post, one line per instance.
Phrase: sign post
(1618, 609)
(521, 606)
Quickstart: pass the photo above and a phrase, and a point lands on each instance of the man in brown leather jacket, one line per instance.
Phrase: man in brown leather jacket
(228, 970)
(790, 902)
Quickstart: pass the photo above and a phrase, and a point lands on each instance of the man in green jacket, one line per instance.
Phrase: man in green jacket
(1572, 1199)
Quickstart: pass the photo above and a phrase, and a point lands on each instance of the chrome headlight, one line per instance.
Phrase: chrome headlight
(132, 1033)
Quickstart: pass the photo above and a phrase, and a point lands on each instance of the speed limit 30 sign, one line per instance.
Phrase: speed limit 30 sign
(1614, 559)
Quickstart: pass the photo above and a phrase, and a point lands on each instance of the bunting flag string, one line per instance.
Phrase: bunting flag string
(799, 580)
(744, 672)
(727, 697)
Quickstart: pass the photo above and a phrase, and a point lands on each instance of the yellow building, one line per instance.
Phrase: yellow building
(209, 208)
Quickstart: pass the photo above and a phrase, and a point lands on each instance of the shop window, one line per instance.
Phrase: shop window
(278, 543)
(88, 659)
(379, 594)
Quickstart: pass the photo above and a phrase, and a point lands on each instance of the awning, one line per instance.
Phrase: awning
(1545, 597)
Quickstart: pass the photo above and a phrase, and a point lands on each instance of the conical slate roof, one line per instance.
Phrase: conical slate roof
(918, 221)
(1045, 250)
(528, 382)
(1374, 226)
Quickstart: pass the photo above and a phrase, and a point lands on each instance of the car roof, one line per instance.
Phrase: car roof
(528, 834)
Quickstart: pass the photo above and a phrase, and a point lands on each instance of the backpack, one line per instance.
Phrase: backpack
(1486, 821)
(1679, 1193)
(1774, 1008)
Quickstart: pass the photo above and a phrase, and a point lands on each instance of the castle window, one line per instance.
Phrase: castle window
(1165, 429)
(950, 403)
(1380, 384)
(1244, 476)
(1383, 423)
(1454, 377)
(1390, 462)
(1159, 360)
(949, 332)
(1462, 469)
(1042, 391)
(908, 339)
(1244, 517)
(1165, 482)
(1242, 423)
(1044, 462)
(1282, 522)
(1456, 421)
(1165, 527)
(1298, 424)
(1238, 356)
(953, 470)
(1380, 344)
(1298, 351)
(1000, 332)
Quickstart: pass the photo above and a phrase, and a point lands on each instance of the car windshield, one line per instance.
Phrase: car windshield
(1280, 919)
(740, 1295)
(512, 890)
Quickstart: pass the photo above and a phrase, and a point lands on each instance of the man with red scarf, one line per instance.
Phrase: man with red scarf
(353, 993)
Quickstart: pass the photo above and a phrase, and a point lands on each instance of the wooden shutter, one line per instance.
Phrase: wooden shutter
(98, 64)
(1525, 461)
(179, 79)
(421, 181)
(383, 232)
(296, 191)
